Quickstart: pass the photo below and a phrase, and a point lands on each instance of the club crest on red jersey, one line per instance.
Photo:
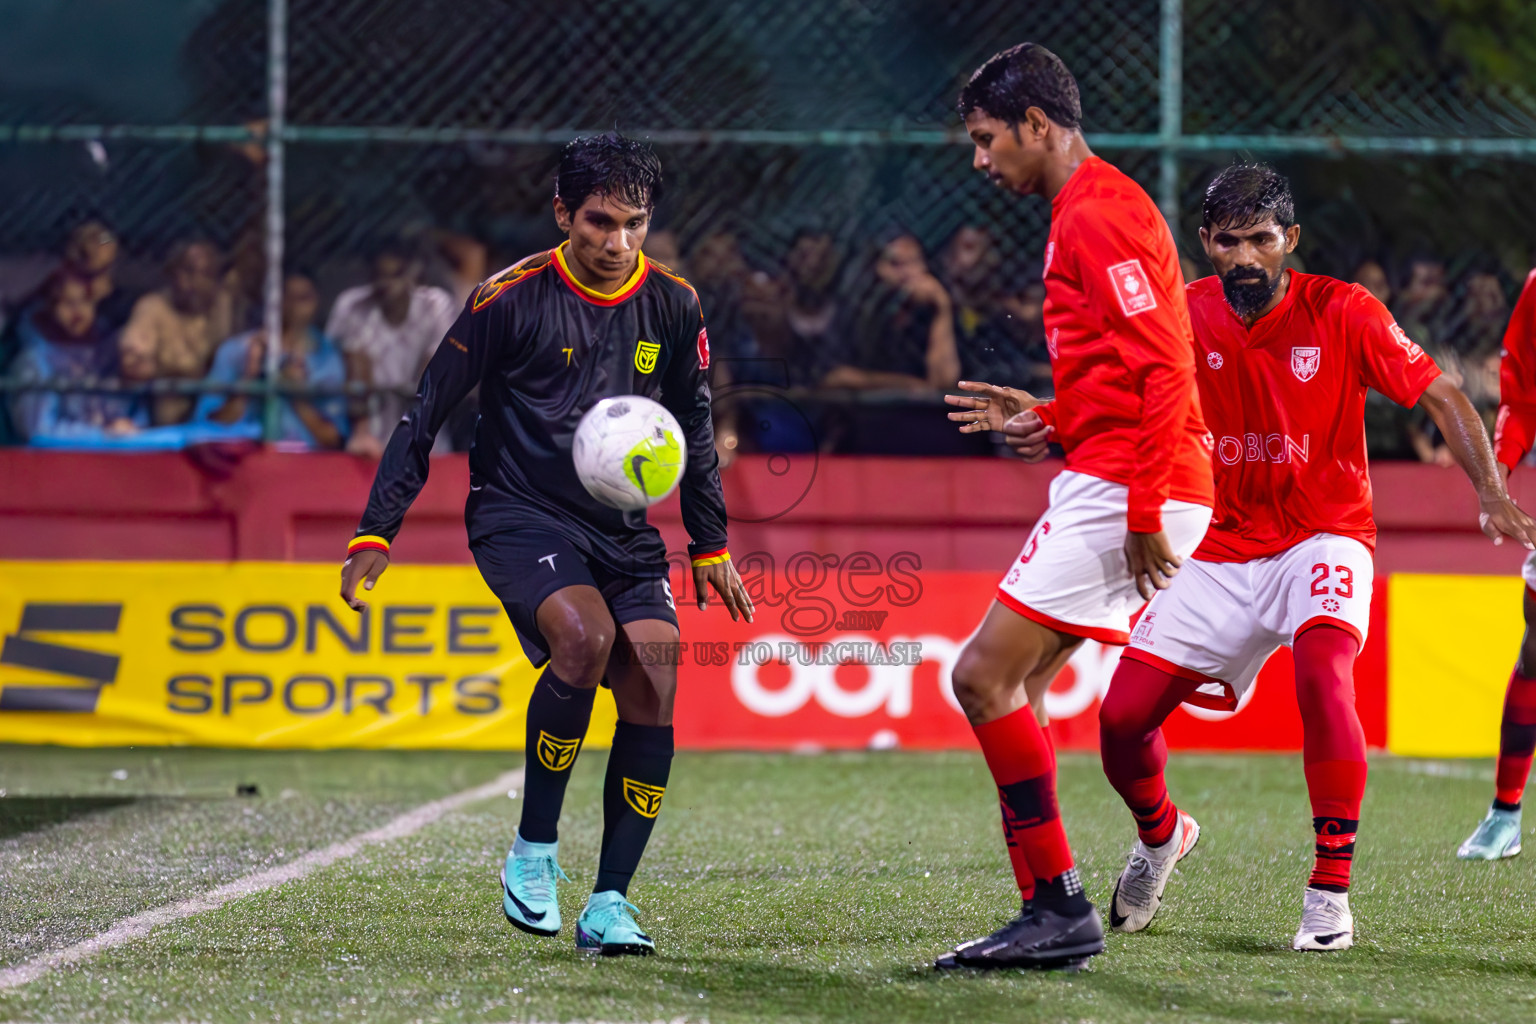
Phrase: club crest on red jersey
(1214, 360)
(1305, 361)
(1132, 287)
(1407, 344)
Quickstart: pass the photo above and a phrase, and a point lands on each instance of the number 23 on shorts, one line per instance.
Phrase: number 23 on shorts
(1342, 575)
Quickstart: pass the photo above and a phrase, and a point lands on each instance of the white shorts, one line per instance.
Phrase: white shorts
(1528, 571)
(1072, 575)
(1218, 622)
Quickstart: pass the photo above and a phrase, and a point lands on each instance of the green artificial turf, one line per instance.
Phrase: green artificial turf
(778, 887)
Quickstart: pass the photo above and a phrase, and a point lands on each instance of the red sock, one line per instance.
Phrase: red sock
(1333, 749)
(1517, 742)
(1140, 698)
(1024, 768)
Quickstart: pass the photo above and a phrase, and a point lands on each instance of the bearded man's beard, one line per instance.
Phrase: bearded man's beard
(1248, 289)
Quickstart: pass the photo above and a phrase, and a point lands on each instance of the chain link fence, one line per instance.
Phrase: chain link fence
(803, 137)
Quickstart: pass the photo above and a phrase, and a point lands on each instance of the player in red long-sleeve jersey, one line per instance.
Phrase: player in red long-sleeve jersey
(1498, 834)
(1284, 363)
(1136, 494)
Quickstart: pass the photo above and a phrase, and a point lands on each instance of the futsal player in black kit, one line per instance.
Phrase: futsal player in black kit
(585, 585)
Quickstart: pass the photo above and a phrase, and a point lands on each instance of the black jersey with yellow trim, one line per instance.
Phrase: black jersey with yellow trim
(544, 349)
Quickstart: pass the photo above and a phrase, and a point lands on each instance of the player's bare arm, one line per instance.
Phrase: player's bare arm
(1464, 434)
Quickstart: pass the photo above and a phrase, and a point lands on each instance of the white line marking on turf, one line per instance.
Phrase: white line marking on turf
(139, 925)
(1447, 770)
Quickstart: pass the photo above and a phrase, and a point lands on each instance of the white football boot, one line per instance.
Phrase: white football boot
(1326, 923)
(1139, 892)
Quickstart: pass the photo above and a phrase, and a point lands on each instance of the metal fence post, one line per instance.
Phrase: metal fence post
(1170, 82)
(272, 294)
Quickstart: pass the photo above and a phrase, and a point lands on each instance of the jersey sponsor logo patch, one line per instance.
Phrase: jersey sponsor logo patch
(555, 753)
(1407, 344)
(1132, 287)
(1276, 448)
(1214, 360)
(645, 355)
(1050, 341)
(645, 799)
(703, 349)
(1305, 362)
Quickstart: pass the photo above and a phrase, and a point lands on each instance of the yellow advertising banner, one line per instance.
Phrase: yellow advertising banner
(255, 654)
(1452, 641)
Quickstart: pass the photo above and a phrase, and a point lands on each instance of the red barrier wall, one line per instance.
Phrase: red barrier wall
(951, 525)
(955, 514)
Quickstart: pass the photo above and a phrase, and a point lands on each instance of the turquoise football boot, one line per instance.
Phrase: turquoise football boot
(1497, 837)
(528, 880)
(608, 925)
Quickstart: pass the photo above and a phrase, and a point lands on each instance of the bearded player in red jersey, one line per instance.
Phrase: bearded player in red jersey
(1498, 835)
(1284, 361)
(1133, 501)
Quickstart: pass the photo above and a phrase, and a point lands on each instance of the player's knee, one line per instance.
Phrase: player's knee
(1120, 720)
(580, 645)
(975, 681)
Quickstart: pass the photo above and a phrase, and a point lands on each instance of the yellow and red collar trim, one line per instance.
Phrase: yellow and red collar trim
(597, 298)
(711, 557)
(367, 542)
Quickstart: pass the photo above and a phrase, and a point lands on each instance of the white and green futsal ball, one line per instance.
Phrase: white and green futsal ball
(629, 452)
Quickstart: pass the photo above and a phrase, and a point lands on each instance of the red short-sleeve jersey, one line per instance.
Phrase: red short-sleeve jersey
(1286, 403)
(1515, 430)
(1122, 356)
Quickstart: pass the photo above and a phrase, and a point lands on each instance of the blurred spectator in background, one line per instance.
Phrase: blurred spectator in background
(1370, 276)
(720, 274)
(466, 263)
(307, 357)
(1484, 315)
(1422, 308)
(904, 330)
(1481, 384)
(172, 333)
(1190, 269)
(63, 339)
(90, 254)
(662, 246)
(796, 317)
(999, 336)
(388, 329)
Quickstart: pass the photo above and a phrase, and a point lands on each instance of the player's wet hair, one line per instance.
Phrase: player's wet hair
(1024, 76)
(1244, 195)
(612, 165)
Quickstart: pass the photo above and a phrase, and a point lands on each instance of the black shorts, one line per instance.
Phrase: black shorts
(523, 567)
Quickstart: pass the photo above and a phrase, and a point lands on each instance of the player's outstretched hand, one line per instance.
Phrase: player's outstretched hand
(365, 568)
(1028, 436)
(988, 407)
(1501, 518)
(723, 578)
(1153, 563)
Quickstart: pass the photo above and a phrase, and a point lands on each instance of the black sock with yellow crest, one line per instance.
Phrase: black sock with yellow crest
(558, 714)
(638, 767)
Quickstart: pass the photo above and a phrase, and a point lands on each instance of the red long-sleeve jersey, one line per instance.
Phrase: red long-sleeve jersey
(1122, 351)
(1515, 430)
